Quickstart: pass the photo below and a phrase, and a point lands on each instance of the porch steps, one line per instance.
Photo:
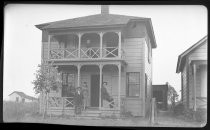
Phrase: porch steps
(88, 113)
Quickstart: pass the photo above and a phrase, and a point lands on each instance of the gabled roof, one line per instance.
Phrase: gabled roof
(182, 57)
(98, 20)
(23, 95)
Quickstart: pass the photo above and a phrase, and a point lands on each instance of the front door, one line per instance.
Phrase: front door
(94, 92)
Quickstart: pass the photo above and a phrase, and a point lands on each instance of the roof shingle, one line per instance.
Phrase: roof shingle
(91, 20)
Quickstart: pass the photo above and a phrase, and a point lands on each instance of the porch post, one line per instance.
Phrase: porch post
(119, 44)
(78, 75)
(79, 47)
(101, 43)
(194, 85)
(119, 86)
(49, 38)
(101, 71)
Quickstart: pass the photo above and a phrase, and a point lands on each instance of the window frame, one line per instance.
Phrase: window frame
(127, 85)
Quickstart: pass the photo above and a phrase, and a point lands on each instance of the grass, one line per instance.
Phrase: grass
(28, 112)
(13, 111)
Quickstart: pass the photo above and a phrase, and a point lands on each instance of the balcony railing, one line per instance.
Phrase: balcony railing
(85, 53)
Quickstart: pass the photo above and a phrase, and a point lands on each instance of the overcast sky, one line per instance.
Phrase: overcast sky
(176, 28)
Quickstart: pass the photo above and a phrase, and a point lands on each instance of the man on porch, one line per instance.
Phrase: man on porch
(105, 96)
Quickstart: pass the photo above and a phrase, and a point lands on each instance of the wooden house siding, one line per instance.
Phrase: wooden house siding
(190, 87)
(184, 90)
(134, 57)
(148, 72)
(44, 36)
(135, 30)
(200, 52)
(133, 54)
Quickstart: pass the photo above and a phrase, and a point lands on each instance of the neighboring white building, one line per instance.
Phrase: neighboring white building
(20, 97)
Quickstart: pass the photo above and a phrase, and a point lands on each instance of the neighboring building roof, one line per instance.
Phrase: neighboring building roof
(98, 20)
(23, 95)
(182, 57)
(162, 86)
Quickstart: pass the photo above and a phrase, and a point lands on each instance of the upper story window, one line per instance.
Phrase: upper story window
(133, 84)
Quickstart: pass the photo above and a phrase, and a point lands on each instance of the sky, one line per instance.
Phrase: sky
(176, 28)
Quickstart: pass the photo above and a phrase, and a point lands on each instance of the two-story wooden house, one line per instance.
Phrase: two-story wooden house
(115, 49)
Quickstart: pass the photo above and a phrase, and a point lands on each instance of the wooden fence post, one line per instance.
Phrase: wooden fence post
(153, 112)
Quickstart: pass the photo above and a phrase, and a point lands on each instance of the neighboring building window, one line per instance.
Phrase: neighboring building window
(133, 84)
(17, 99)
(23, 100)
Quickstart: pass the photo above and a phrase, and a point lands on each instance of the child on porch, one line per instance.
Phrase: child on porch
(105, 95)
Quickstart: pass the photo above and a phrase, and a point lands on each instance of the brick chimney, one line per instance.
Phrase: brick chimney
(104, 9)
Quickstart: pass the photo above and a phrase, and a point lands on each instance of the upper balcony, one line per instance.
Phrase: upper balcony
(86, 53)
(87, 46)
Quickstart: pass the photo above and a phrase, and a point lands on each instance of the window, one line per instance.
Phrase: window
(23, 100)
(17, 99)
(133, 84)
(67, 84)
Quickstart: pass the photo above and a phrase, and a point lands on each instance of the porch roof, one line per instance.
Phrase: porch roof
(182, 57)
(98, 20)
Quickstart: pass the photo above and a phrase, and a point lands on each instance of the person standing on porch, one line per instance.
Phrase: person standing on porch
(85, 94)
(105, 95)
(78, 100)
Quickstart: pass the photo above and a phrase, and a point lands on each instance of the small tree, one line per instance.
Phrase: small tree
(47, 78)
(172, 96)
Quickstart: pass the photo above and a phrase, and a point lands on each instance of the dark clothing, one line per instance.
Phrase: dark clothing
(105, 96)
(78, 98)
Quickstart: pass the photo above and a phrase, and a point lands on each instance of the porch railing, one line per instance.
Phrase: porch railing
(201, 102)
(109, 52)
(114, 104)
(68, 102)
(60, 102)
(89, 53)
(93, 52)
(63, 53)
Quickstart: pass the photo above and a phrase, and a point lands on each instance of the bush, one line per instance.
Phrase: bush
(201, 115)
(178, 109)
(16, 111)
(188, 113)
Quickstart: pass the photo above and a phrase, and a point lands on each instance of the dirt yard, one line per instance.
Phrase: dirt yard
(163, 120)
